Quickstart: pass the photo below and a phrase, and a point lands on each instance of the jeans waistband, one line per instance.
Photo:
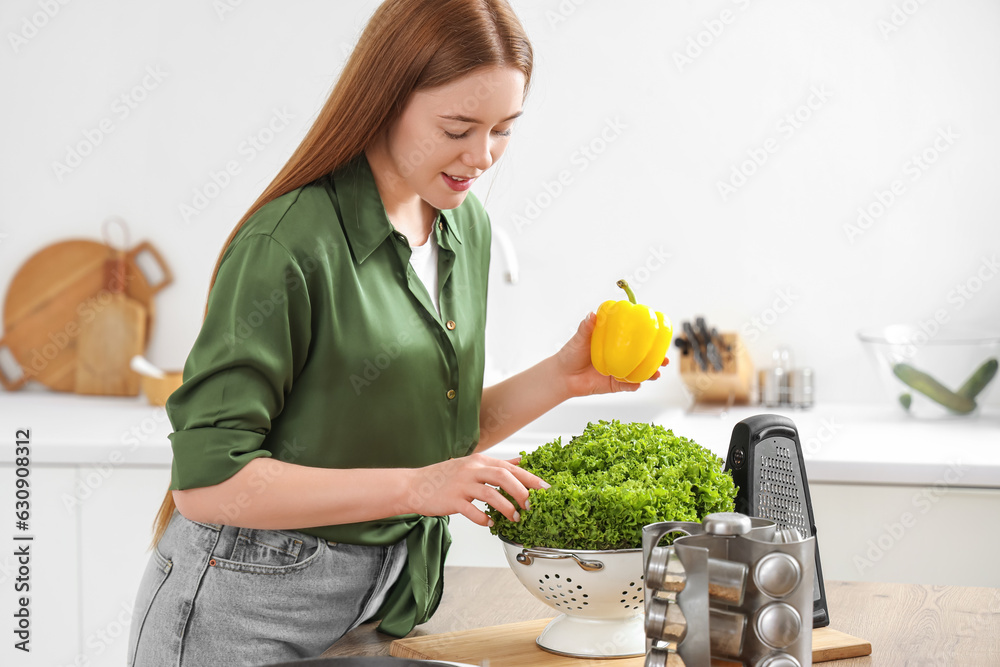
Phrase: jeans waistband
(218, 527)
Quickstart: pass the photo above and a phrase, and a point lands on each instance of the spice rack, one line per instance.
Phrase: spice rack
(729, 386)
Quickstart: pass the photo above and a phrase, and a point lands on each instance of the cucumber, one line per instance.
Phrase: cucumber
(933, 389)
(978, 380)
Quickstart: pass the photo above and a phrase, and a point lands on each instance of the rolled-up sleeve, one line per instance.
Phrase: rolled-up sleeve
(252, 344)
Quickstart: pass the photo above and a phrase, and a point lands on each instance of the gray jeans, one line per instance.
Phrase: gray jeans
(221, 595)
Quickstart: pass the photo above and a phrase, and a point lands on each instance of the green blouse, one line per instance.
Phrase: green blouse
(322, 347)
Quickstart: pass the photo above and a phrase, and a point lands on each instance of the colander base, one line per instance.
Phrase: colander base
(594, 638)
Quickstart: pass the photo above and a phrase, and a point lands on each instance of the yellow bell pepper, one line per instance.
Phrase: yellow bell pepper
(630, 340)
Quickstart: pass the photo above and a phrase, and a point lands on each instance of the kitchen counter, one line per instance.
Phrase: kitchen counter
(842, 443)
(73, 429)
(101, 461)
(907, 624)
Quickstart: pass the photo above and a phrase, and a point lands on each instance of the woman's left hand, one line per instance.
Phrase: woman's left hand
(582, 379)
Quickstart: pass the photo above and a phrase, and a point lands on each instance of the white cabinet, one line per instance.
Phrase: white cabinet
(473, 545)
(54, 595)
(87, 560)
(115, 530)
(935, 534)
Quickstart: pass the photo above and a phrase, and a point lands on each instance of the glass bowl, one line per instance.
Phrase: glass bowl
(937, 374)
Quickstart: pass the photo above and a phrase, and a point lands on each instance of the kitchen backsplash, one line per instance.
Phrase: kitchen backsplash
(792, 171)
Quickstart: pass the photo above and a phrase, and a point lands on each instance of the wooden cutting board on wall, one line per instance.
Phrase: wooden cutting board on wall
(513, 645)
(53, 293)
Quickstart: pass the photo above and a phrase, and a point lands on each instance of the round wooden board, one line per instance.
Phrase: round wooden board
(52, 293)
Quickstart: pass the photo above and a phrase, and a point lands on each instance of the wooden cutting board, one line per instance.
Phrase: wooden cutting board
(110, 339)
(106, 345)
(513, 645)
(51, 295)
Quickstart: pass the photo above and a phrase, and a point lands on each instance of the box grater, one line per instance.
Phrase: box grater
(765, 460)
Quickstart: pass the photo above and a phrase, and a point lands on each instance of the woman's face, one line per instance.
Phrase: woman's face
(448, 136)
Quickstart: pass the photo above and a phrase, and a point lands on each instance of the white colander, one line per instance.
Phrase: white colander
(598, 592)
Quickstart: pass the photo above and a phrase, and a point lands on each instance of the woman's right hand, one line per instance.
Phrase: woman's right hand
(451, 486)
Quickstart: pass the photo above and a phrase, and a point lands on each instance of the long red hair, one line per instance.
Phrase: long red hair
(407, 45)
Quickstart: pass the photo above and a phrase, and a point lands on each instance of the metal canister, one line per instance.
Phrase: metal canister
(800, 387)
(773, 384)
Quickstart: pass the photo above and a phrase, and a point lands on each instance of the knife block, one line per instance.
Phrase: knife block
(731, 385)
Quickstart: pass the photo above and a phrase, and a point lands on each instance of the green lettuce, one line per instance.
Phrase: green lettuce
(610, 481)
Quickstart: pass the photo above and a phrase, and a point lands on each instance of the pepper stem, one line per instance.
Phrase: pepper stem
(628, 290)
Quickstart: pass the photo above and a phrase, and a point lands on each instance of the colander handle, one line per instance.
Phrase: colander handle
(526, 556)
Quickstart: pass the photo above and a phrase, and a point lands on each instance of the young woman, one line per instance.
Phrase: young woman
(333, 404)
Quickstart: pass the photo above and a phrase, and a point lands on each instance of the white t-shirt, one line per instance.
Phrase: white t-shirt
(424, 259)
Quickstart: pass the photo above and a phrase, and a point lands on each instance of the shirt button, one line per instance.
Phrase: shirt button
(401, 237)
(450, 324)
(440, 225)
(451, 393)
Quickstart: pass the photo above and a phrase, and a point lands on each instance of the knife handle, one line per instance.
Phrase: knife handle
(695, 346)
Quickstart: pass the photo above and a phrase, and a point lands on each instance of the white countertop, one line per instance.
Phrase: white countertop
(842, 443)
(75, 429)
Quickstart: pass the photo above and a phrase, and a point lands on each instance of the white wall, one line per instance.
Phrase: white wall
(678, 129)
